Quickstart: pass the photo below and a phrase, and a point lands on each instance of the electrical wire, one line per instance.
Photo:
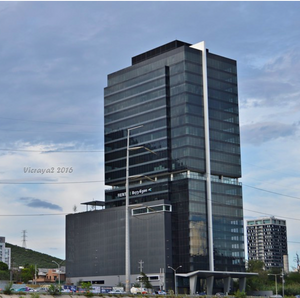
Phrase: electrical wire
(49, 122)
(71, 182)
(49, 151)
(272, 192)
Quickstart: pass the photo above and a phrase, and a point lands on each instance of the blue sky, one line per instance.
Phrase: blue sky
(55, 57)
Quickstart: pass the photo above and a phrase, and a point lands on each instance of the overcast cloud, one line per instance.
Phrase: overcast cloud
(55, 57)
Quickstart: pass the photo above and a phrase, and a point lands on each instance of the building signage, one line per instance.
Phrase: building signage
(135, 192)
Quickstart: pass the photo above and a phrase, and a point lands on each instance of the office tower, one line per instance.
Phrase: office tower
(5, 253)
(177, 106)
(267, 242)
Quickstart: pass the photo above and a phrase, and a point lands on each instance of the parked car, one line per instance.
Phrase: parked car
(66, 291)
(135, 290)
(220, 294)
(161, 292)
(41, 290)
(26, 289)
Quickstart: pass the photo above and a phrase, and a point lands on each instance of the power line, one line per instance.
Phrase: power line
(49, 122)
(48, 131)
(71, 182)
(49, 151)
(272, 192)
(264, 213)
(44, 214)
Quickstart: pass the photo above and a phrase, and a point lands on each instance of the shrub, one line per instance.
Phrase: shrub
(7, 289)
(54, 290)
(35, 295)
(239, 294)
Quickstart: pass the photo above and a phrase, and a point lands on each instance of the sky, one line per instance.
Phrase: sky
(54, 61)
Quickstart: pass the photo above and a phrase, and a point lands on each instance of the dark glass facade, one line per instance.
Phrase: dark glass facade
(96, 242)
(163, 92)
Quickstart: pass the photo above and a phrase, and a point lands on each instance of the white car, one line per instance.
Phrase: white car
(66, 291)
(116, 292)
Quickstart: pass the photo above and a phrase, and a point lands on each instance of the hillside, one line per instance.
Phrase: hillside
(21, 256)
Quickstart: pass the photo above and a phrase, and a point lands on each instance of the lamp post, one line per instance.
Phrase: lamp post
(127, 232)
(127, 244)
(275, 282)
(283, 281)
(175, 280)
(58, 266)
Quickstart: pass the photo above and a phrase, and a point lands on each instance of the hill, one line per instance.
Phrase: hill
(21, 256)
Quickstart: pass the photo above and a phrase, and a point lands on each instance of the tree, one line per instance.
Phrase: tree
(54, 290)
(145, 281)
(256, 266)
(28, 273)
(4, 272)
(257, 283)
(86, 286)
(292, 278)
(3, 266)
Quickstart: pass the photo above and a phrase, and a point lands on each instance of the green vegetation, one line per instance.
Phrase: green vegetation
(239, 294)
(145, 281)
(7, 289)
(35, 295)
(54, 290)
(27, 273)
(4, 273)
(86, 286)
(21, 256)
(265, 281)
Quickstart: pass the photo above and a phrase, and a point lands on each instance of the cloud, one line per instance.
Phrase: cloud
(262, 132)
(37, 203)
(275, 81)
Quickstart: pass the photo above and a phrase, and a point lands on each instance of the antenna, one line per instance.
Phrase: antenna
(24, 238)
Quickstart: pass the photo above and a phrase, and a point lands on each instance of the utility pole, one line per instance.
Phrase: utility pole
(283, 281)
(297, 261)
(275, 282)
(141, 265)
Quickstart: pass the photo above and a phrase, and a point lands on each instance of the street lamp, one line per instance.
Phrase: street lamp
(127, 233)
(275, 282)
(282, 275)
(175, 281)
(58, 266)
(127, 244)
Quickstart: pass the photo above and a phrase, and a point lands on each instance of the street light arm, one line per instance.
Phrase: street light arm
(175, 281)
(142, 147)
(141, 176)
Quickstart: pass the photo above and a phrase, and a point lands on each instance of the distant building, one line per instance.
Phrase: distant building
(46, 275)
(5, 253)
(267, 242)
